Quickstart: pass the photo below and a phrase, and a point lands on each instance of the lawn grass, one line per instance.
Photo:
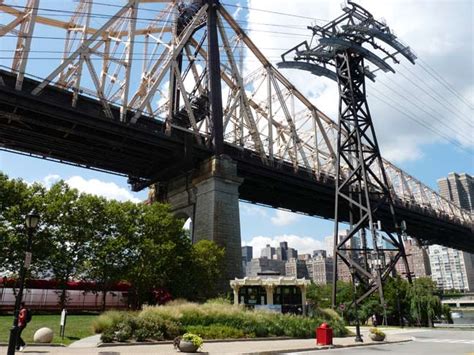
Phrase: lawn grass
(77, 327)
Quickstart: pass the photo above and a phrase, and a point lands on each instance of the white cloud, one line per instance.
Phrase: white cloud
(284, 218)
(97, 187)
(50, 180)
(304, 245)
(439, 34)
(252, 210)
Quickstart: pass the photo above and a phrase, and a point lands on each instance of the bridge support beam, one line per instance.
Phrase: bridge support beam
(210, 197)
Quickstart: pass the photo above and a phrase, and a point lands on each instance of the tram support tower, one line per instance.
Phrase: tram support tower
(340, 51)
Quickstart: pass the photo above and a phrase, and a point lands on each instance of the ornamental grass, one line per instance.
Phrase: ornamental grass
(215, 319)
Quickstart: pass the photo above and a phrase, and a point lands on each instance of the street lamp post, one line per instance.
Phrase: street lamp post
(31, 222)
(358, 338)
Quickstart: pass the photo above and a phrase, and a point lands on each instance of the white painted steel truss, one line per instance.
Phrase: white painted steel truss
(135, 55)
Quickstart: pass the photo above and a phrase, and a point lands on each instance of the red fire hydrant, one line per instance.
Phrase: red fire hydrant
(324, 335)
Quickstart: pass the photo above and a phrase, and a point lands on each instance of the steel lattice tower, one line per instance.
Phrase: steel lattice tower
(362, 189)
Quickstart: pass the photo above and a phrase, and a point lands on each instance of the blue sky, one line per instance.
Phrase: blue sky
(411, 147)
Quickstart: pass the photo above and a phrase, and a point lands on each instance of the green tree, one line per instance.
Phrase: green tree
(158, 250)
(321, 297)
(425, 305)
(207, 265)
(106, 261)
(70, 220)
(17, 199)
(396, 296)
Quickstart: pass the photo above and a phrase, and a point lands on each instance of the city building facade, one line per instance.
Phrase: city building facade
(458, 188)
(247, 255)
(451, 269)
(320, 270)
(296, 268)
(418, 260)
(268, 252)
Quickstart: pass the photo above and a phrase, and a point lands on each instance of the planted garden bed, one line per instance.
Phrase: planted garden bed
(212, 320)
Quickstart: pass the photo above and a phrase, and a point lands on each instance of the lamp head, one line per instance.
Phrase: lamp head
(32, 220)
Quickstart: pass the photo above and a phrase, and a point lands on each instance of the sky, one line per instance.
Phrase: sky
(438, 91)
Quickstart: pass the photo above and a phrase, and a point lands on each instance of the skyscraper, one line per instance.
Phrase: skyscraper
(458, 188)
(450, 268)
(247, 255)
(268, 252)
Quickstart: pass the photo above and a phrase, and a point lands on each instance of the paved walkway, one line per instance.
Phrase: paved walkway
(260, 347)
(89, 342)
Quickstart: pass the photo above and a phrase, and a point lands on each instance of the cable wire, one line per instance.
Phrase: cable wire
(421, 80)
(433, 116)
(420, 122)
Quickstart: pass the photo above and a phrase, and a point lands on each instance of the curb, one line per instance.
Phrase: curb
(270, 352)
(279, 352)
(102, 345)
(39, 345)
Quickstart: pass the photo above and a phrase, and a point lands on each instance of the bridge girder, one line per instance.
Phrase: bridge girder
(263, 112)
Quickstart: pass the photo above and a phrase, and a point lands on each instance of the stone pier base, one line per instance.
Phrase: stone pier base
(210, 197)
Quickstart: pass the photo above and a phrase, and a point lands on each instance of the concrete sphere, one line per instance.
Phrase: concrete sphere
(43, 335)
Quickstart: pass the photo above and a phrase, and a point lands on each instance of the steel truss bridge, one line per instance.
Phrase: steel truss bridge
(134, 89)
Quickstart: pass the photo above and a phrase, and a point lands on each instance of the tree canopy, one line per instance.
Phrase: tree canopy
(86, 237)
(408, 304)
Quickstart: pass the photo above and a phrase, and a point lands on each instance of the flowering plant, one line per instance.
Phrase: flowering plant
(193, 338)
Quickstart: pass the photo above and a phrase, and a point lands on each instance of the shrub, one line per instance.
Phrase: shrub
(164, 327)
(212, 320)
(108, 335)
(148, 330)
(123, 331)
(109, 319)
(216, 331)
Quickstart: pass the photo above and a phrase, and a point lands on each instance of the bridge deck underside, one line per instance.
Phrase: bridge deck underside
(48, 126)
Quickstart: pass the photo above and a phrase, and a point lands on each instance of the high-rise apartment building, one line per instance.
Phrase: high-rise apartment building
(452, 269)
(296, 268)
(458, 188)
(247, 255)
(292, 253)
(320, 270)
(268, 252)
(418, 260)
(329, 243)
(282, 251)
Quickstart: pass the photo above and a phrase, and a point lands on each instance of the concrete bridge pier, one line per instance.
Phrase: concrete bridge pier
(210, 197)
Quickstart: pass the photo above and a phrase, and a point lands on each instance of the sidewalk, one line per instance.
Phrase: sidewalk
(258, 347)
